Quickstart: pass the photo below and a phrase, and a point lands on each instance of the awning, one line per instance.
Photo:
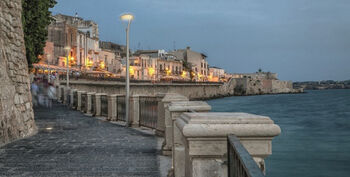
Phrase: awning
(52, 67)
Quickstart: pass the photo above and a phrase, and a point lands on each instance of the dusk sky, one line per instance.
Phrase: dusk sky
(300, 40)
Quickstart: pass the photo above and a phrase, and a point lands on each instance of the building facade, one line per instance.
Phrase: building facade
(198, 62)
(80, 35)
(154, 65)
(216, 74)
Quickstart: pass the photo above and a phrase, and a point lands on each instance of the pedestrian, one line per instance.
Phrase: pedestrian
(35, 91)
(51, 93)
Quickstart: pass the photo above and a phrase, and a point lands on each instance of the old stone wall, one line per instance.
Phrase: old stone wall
(255, 86)
(192, 91)
(16, 113)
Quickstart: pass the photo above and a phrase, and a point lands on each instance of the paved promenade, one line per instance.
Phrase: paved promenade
(79, 145)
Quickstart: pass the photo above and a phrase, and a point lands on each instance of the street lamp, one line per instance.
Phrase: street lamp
(67, 64)
(128, 17)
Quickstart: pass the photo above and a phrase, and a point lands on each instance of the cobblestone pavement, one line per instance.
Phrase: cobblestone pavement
(79, 145)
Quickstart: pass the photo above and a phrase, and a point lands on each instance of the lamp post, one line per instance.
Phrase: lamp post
(67, 64)
(128, 18)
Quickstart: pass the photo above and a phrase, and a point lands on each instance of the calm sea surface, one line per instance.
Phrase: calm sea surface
(315, 138)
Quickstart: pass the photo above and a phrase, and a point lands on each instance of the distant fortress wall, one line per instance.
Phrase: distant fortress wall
(259, 85)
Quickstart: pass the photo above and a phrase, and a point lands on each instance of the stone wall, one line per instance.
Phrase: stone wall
(16, 113)
(190, 90)
(255, 86)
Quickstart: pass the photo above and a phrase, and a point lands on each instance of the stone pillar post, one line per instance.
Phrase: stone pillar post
(169, 97)
(135, 110)
(98, 103)
(89, 96)
(66, 93)
(172, 112)
(160, 108)
(79, 100)
(60, 93)
(116, 105)
(201, 141)
(112, 107)
(71, 93)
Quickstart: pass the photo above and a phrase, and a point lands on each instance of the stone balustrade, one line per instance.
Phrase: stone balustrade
(72, 92)
(172, 112)
(134, 111)
(80, 93)
(168, 98)
(66, 99)
(98, 103)
(112, 111)
(200, 141)
(89, 99)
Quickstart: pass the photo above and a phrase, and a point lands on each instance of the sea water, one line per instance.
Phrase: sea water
(315, 137)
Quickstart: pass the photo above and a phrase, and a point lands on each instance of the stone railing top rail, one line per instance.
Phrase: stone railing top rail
(182, 106)
(212, 124)
(169, 97)
(100, 94)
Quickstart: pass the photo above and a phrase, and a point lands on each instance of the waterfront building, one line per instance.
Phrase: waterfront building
(155, 65)
(60, 34)
(109, 61)
(119, 50)
(198, 62)
(216, 74)
(80, 35)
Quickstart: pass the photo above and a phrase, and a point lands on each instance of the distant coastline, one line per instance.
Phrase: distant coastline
(322, 85)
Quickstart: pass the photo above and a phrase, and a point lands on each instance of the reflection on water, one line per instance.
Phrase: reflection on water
(315, 138)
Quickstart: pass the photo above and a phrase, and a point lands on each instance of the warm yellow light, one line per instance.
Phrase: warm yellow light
(150, 71)
(168, 71)
(102, 65)
(127, 17)
(183, 75)
(131, 70)
(89, 63)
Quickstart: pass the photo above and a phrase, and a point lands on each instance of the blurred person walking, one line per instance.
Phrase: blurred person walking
(35, 91)
(51, 93)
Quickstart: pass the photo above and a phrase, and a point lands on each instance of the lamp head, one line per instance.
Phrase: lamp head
(127, 17)
(67, 48)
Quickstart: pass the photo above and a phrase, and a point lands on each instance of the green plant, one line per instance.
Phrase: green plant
(35, 19)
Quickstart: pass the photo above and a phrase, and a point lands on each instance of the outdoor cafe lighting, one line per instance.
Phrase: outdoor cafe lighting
(183, 75)
(151, 71)
(67, 48)
(128, 17)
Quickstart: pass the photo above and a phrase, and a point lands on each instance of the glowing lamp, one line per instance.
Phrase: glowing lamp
(127, 17)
